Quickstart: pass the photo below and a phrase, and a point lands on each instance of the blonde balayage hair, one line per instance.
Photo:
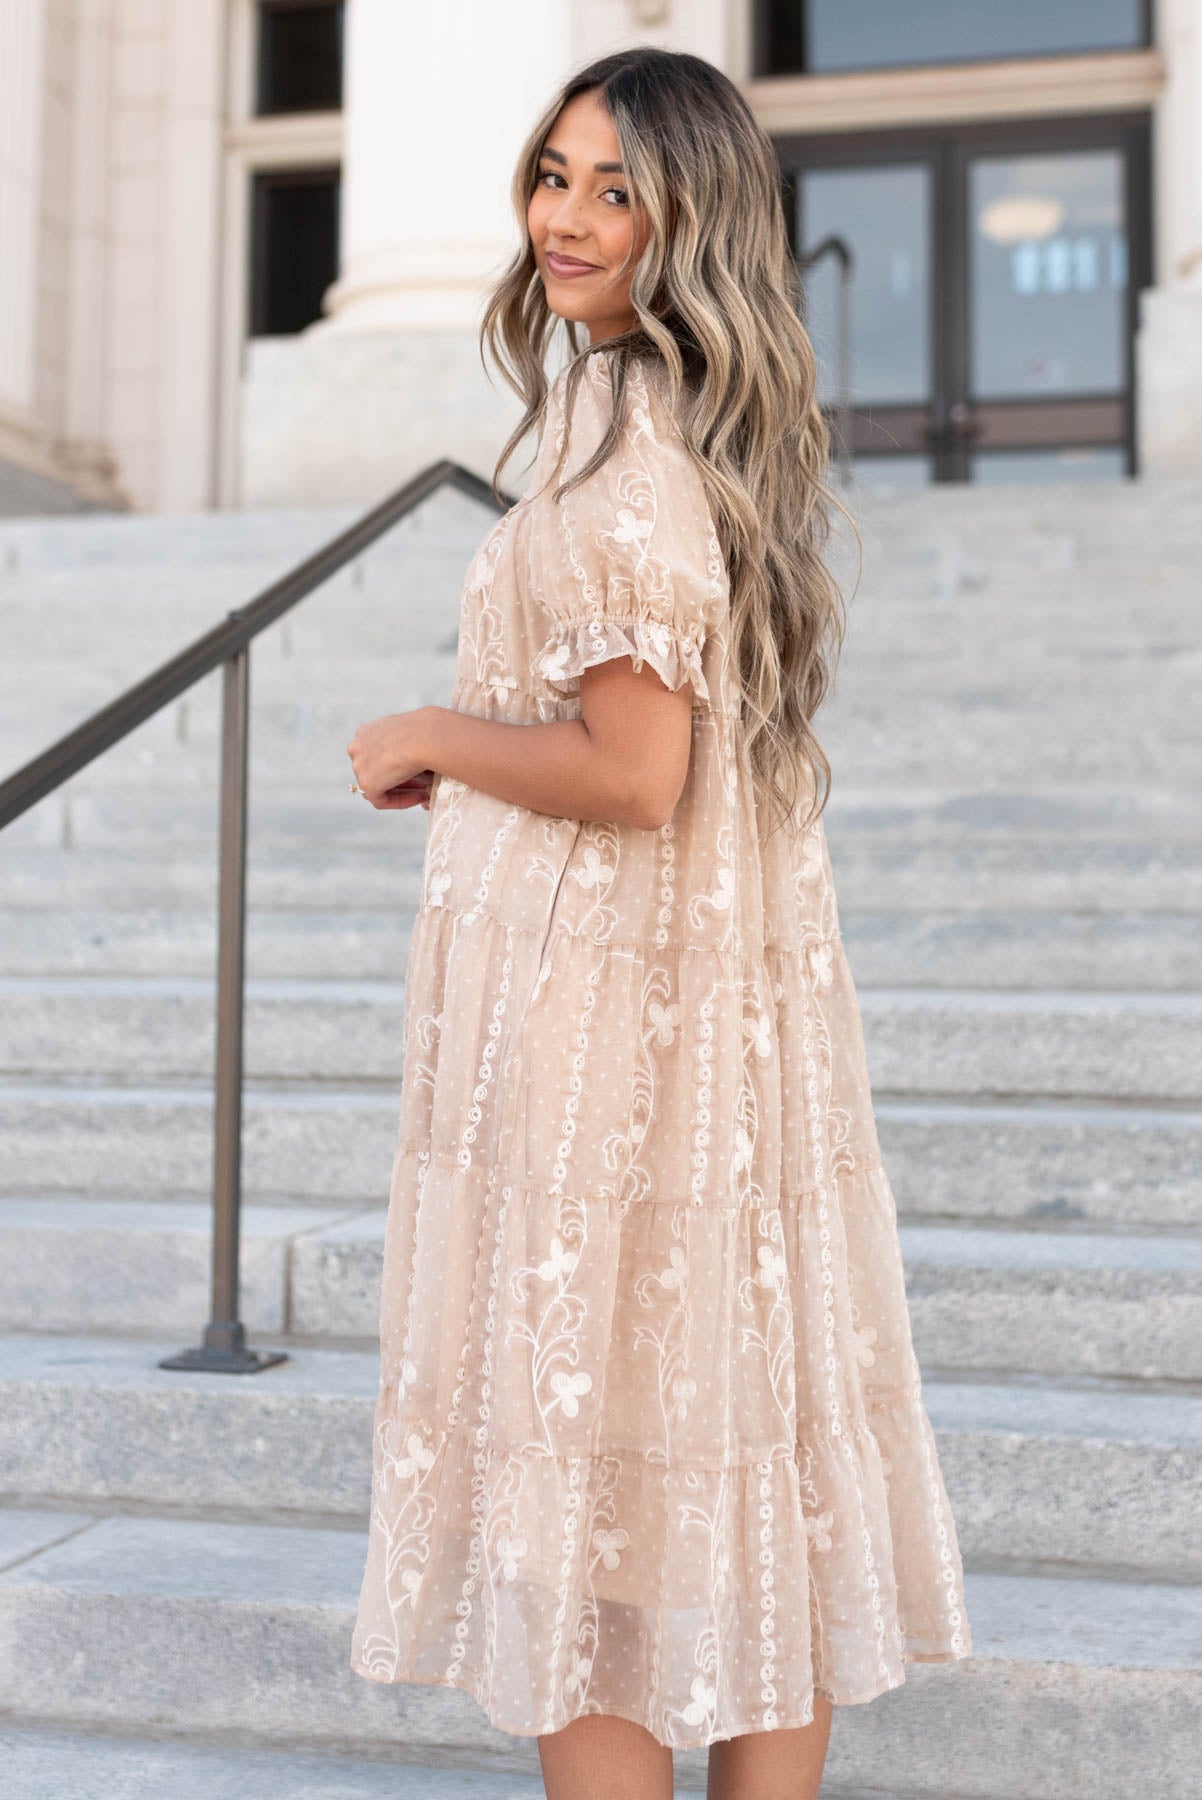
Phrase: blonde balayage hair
(716, 295)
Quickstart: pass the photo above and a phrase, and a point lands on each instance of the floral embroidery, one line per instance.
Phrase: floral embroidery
(645, 1361)
(818, 1530)
(560, 1262)
(864, 1338)
(664, 1021)
(568, 1387)
(511, 1551)
(593, 872)
(609, 1544)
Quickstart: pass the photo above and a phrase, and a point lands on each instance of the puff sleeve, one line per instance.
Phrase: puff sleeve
(629, 563)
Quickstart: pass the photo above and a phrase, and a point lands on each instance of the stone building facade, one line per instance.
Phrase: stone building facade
(244, 243)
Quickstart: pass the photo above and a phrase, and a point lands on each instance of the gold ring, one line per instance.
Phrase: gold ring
(355, 788)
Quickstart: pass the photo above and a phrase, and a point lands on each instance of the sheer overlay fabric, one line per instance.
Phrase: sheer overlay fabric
(650, 1437)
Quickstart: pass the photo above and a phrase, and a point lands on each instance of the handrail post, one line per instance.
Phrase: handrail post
(224, 1350)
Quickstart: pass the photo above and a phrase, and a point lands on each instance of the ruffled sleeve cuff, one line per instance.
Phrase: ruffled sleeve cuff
(580, 643)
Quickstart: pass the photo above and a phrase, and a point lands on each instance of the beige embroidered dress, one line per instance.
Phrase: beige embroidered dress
(650, 1437)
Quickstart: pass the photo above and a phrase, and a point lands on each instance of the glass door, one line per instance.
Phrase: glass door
(989, 314)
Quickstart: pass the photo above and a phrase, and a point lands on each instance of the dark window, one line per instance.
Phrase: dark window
(300, 56)
(294, 225)
(820, 37)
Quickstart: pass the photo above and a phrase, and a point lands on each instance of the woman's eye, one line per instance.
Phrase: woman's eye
(623, 198)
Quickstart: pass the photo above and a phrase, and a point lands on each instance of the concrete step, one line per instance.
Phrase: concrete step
(1031, 949)
(94, 1420)
(77, 1765)
(968, 552)
(981, 1041)
(1069, 662)
(870, 749)
(1043, 1163)
(1100, 880)
(1050, 1302)
(297, 740)
(1070, 651)
(1042, 1471)
(308, 1144)
(272, 533)
(1046, 1163)
(1075, 1686)
(286, 817)
(177, 747)
(1063, 1303)
(79, 1264)
(987, 949)
(1125, 525)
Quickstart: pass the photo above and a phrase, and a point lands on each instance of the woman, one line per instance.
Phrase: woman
(652, 1467)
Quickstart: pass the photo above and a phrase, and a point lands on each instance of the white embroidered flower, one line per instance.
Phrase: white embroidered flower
(704, 1700)
(511, 1550)
(674, 1277)
(818, 1529)
(759, 1030)
(865, 1337)
(568, 1387)
(772, 1265)
(408, 1375)
(724, 898)
(578, 1673)
(664, 1020)
(657, 635)
(553, 664)
(437, 886)
(743, 1151)
(594, 870)
(418, 1456)
(560, 1262)
(684, 1389)
(411, 1581)
(824, 955)
(608, 1544)
(630, 529)
(811, 849)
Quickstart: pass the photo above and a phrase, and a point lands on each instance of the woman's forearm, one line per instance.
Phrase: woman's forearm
(555, 767)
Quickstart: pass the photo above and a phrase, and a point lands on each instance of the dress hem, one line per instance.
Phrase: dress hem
(698, 1743)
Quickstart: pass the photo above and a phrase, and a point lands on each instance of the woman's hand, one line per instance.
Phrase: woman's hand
(389, 762)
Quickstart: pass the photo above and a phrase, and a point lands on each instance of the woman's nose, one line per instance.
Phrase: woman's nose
(565, 218)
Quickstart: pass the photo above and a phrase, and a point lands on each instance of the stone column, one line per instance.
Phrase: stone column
(438, 101)
(1169, 341)
(22, 94)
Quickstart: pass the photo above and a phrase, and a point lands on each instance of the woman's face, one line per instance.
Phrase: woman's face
(579, 220)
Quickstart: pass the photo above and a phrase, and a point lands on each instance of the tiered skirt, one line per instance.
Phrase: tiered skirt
(650, 1437)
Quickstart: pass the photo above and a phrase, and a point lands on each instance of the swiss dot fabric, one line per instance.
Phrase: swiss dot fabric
(650, 1437)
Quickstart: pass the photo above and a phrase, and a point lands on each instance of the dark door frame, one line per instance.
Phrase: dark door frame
(947, 426)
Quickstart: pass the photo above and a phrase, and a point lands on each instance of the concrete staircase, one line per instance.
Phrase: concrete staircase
(1017, 838)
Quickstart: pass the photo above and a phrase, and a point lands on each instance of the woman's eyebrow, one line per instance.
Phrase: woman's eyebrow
(601, 168)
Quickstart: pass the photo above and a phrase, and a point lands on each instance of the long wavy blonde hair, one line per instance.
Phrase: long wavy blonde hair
(717, 297)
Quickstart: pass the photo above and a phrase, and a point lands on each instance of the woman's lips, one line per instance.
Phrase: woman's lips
(564, 267)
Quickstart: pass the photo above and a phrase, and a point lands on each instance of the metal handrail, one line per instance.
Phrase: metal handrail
(838, 247)
(224, 1349)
